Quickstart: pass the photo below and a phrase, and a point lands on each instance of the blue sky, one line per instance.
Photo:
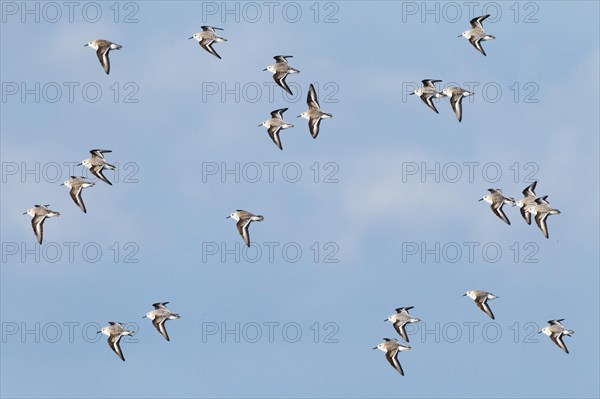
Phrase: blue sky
(349, 244)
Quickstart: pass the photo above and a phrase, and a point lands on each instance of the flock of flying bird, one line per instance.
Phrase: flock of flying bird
(159, 316)
(97, 163)
(555, 330)
(529, 204)
(428, 92)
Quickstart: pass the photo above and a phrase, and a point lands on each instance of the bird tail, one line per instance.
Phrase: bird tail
(109, 166)
(258, 218)
(293, 70)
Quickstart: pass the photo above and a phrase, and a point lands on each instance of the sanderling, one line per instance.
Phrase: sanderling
(428, 92)
(243, 220)
(280, 70)
(76, 184)
(314, 113)
(159, 316)
(207, 37)
(275, 124)
(527, 201)
(400, 319)
(555, 331)
(115, 331)
(39, 213)
(456, 95)
(481, 298)
(102, 48)
(392, 347)
(541, 209)
(97, 163)
(476, 34)
(497, 201)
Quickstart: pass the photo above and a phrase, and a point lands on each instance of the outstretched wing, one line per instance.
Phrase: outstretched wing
(242, 226)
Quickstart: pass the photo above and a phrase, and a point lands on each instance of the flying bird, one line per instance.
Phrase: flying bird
(392, 347)
(542, 209)
(280, 70)
(314, 113)
(39, 213)
(76, 184)
(497, 201)
(527, 201)
(102, 48)
(476, 34)
(243, 220)
(428, 92)
(159, 316)
(96, 164)
(115, 332)
(275, 124)
(481, 298)
(400, 319)
(555, 331)
(207, 37)
(456, 95)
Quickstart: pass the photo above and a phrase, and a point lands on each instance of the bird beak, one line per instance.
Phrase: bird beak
(190, 37)
(298, 116)
(144, 317)
(265, 69)
(385, 320)
(227, 217)
(410, 94)
(464, 295)
(260, 125)
(459, 36)
(480, 199)
(375, 348)
(98, 332)
(24, 213)
(85, 45)
(79, 164)
(539, 332)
